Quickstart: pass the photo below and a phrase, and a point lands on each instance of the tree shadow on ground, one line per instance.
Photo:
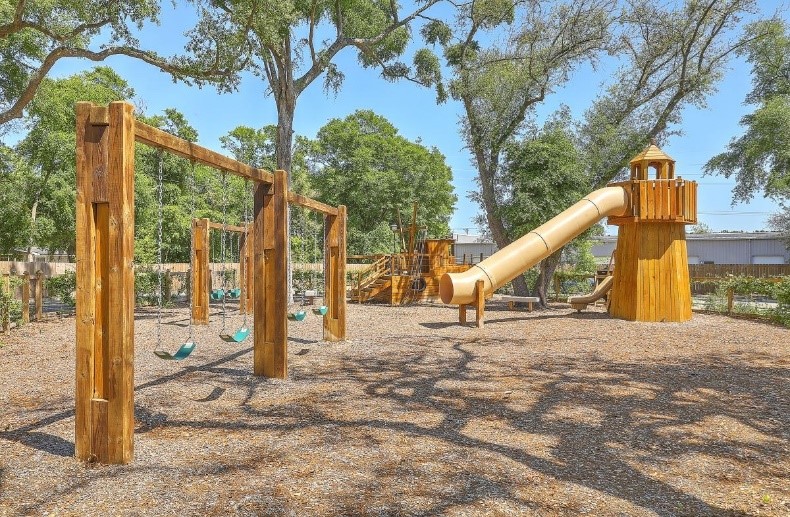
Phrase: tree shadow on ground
(603, 418)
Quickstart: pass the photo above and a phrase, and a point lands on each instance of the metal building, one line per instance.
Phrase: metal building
(719, 248)
(472, 248)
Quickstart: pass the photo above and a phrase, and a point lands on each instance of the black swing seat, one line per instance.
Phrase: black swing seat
(182, 353)
(237, 337)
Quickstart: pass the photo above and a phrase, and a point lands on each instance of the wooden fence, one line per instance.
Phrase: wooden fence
(724, 270)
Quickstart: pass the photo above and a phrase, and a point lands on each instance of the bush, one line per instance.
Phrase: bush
(10, 308)
(782, 295)
(146, 285)
(63, 287)
(747, 285)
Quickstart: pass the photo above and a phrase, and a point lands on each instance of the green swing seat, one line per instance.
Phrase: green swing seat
(217, 294)
(233, 294)
(320, 311)
(182, 353)
(297, 316)
(237, 337)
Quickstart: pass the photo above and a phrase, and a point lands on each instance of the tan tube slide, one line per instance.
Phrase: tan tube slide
(522, 254)
(580, 302)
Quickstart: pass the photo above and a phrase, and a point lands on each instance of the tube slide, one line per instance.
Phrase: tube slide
(522, 254)
(580, 302)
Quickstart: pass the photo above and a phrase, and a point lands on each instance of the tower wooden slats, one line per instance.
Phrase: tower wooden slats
(651, 280)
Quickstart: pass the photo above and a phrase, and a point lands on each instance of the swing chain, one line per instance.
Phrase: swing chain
(159, 251)
(250, 192)
(222, 243)
(192, 188)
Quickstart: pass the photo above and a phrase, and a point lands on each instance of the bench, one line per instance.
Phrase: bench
(512, 300)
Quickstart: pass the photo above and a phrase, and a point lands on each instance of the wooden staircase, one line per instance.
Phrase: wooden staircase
(372, 281)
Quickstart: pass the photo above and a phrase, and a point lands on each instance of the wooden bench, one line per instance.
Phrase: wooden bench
(310, 296)
(512, 300)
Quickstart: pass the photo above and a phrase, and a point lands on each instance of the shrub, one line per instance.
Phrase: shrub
(63, 287)
(10, 308)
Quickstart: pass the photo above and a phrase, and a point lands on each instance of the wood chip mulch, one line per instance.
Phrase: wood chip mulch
(542, 413)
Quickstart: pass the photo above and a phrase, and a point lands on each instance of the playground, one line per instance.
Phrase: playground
(550, 412)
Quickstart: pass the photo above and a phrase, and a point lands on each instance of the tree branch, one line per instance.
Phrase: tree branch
(17, 108)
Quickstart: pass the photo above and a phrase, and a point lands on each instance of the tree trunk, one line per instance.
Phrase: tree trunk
(547, 268)
(33, 215)
(495, 225)
(286, 106)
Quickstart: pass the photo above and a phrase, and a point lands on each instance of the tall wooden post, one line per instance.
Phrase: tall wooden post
(270, 354)
(104, 399)
(39, 295)
(5, 316)
(480, 303)
(200, 271)
(25, 297)
(335, 276)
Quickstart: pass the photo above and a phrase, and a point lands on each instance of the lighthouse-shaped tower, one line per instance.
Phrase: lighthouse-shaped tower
(651, 275)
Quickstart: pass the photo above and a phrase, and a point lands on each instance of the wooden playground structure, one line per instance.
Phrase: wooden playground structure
(104, 398)
(650, 280)
(201, 274)
(651, 274)
(409, 275)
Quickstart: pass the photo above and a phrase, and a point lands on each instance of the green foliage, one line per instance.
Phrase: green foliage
(579, 255)
(379, 239)
(672, 56)
(700, 228)
(782, 294)
(780, 222)
(291, 44)
(63, 287)
(45, 163)
(146, 286)
(15, 225)
(44, 32)
(10, 307)
(542, 175)
(754, 286)
(363, 163)
(304, 280)
(760, 158)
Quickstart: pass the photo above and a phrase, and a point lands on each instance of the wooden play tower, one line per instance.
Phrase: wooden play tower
(651, 276)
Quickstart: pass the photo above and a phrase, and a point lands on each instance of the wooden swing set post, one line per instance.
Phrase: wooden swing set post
(335, 276)
(104, 399)
(39, 295)
(200, 271)
(270, 245)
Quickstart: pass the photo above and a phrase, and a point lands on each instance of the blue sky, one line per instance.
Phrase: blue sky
(414, 112)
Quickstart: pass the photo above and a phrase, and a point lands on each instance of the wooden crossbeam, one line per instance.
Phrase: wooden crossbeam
(163, 140)
(227, 227)
(312, 204)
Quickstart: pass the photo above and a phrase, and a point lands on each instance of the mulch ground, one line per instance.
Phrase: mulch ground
(542, 413)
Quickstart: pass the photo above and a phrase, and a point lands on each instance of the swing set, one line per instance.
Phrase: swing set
(104, 392)
(321, 310)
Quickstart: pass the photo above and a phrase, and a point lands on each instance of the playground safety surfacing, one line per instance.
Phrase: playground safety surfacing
(542, 413)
